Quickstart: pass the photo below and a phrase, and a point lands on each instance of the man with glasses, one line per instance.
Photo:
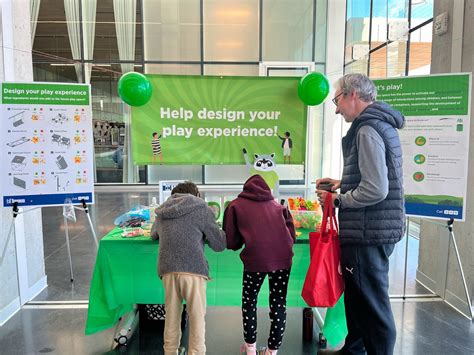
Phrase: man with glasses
(371, 212)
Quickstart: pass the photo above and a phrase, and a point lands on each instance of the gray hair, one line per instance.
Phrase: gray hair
(360, 84)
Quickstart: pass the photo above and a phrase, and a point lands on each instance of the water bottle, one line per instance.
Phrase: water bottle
(153, 205)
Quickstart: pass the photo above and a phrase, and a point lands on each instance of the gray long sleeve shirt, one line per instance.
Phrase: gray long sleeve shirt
(373, 186)
(183, 223)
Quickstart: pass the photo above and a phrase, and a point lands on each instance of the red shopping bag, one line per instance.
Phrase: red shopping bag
(324, 284)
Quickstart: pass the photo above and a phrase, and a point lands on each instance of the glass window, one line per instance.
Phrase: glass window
(396, 58)
(420, 51)
(357, 66)
(111, 126)
(357, 29)
(172, 30)
(378, 63)
(421, 39)
(178, 172)
(379, 23)
(106, 47)
(168, 40)
(231, 30)
(397, 19)
(321, 31)
(287, 30)
(180, 69)
(378, 37)
(226, 174)
(51, 41)
(421, 11)
(54, 72)
(282, 71)
(105, 40)
(227, 69)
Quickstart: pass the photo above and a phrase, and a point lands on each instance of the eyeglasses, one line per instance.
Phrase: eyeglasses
(335, 99)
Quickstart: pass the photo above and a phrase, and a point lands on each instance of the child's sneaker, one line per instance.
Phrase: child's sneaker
(249, 349)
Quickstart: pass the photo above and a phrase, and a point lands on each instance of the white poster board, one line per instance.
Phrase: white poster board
(166, 186)
(47, 144)
(435, 141)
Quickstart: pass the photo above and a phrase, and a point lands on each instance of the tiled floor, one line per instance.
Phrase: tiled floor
(423, 327)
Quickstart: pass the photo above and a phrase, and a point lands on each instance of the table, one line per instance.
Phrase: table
(125, 274)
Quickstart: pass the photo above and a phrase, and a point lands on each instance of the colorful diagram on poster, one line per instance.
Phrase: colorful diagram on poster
(420, 141)
(419, 159)
(47, 144)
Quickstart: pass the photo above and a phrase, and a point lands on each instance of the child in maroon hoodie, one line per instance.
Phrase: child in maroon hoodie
(265, 229)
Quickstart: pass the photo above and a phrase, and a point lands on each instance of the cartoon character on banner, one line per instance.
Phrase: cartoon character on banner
(264, 165)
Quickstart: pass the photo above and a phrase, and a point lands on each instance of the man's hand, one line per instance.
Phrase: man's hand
(322, 193)
(336, 183)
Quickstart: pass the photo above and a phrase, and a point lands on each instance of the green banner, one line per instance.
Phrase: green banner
(428, 95)
(41, 94)
(209, 120)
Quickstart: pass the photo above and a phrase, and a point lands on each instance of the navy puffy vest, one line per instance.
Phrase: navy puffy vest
(384, 222)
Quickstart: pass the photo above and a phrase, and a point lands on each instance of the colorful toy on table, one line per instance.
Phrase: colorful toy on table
(306, 214)
(142, 229)
(134, 217)
(132, 232)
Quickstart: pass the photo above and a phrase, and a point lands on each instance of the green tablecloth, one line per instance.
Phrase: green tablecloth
(125, 274)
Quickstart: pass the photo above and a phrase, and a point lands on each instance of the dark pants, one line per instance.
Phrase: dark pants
(369, 316)
(278, 283)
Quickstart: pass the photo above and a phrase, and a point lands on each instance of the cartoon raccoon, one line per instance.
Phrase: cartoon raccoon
(264, 165)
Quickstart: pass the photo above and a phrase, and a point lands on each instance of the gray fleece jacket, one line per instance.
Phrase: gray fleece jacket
(183, 223)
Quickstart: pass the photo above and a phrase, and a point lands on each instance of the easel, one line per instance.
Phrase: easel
(449, 226)
(84, 208)
(12, 228)
(16, 212)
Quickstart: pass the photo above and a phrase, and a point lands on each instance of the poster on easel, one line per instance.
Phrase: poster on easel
(435, 141)
(46, 134)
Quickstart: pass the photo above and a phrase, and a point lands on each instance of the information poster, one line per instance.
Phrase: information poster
(210, 119)
(47, 153)
(435, 141)
(166, 186)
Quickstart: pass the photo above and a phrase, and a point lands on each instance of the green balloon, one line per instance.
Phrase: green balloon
(135, 89)
(313, 88)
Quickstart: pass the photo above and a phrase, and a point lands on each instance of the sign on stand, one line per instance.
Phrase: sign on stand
(47, 153)
(435, 141)
(208, 120)
(166, 186)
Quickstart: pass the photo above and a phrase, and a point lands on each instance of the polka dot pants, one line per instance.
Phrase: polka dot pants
(251, 284)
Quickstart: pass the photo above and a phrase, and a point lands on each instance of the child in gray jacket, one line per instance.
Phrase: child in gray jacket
(183, 223)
